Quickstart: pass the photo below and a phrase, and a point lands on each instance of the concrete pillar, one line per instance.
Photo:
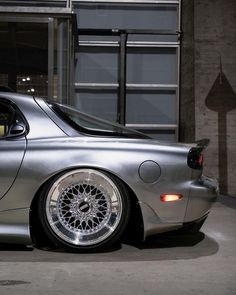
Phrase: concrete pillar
(209, 84)
(215, 79)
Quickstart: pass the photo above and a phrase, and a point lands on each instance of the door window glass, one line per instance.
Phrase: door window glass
(6, 118)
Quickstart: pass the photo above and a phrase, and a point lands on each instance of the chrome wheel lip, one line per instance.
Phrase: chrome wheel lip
(84, 238)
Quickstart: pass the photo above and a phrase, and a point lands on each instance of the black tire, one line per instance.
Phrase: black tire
(76, 211)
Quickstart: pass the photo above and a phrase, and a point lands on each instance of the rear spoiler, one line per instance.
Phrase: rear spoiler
(195, 156)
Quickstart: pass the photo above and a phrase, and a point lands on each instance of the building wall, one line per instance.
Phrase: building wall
(214, 87)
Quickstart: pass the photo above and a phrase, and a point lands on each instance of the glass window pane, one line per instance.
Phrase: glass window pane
(152, 65)
(165, 135)
(127, 16)
(24, 56)
(97, 65)
(151, 107)
(6, 117)
(99, 103)
(99, 38)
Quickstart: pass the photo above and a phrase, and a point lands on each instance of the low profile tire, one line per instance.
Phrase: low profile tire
(84, 209)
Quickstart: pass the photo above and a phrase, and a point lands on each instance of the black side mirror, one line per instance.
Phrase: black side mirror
(17, 129)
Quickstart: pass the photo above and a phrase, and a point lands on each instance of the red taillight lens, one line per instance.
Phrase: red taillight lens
(195, 158)
(171, 197)
(200, 160)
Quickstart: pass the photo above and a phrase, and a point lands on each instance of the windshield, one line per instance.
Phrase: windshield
(92, 125)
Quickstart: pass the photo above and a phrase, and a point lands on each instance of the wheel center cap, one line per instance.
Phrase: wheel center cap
(84, 207)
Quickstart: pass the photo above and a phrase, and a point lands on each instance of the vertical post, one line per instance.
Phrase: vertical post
(60, 60)
(73, 39)
(178, 94)
(63, 59)
(12, 73)
(122, 80)
(69, 4)
(50, 58)
(69, 63)
(223, 156)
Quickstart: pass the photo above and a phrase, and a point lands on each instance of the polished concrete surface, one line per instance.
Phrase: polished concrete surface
(204, 263)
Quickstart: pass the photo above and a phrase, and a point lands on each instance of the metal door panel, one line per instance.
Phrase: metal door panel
(11, 156)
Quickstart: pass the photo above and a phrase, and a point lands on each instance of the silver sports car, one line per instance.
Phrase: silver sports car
(81, 181)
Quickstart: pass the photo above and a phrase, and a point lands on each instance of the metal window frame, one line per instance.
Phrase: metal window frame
(121, 107)
(50, 58)
(35, 10)
(50, 21)
(138, 44)
(69, 3)
(129, 86)
(30, 6)
(129, 1)
(39, 20)
(64, 78)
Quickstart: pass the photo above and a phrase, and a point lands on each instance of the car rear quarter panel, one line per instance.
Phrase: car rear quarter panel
(50, 151)
(45, 158)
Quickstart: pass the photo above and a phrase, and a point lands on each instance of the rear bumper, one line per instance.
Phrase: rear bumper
(203, 194)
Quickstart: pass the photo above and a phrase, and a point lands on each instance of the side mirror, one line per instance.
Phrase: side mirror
(17, 129)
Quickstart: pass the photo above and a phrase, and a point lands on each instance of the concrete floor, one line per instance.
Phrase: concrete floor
(168, 264)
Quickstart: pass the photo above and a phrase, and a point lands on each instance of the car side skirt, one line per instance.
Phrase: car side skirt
(14, 226)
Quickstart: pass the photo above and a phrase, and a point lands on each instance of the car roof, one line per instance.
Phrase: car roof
(15, 97)
(34, 115)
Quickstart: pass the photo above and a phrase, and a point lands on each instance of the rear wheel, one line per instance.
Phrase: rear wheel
(84, 209)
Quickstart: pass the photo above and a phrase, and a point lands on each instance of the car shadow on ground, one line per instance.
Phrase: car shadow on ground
(171, 240)
(228, 201)
(168, 246)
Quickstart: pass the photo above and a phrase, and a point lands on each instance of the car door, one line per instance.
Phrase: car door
(12, 144)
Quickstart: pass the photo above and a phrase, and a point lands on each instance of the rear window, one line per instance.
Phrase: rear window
(88, 124)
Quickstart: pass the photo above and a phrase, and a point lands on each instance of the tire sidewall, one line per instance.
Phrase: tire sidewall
(106, 243)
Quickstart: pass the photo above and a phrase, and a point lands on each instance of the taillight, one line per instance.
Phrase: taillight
(200, 160)
(195, 158)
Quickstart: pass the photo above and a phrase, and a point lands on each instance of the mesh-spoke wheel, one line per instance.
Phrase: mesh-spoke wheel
(85, 208)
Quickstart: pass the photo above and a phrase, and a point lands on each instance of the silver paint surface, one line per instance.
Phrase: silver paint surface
(149, 171)
(26, 164)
